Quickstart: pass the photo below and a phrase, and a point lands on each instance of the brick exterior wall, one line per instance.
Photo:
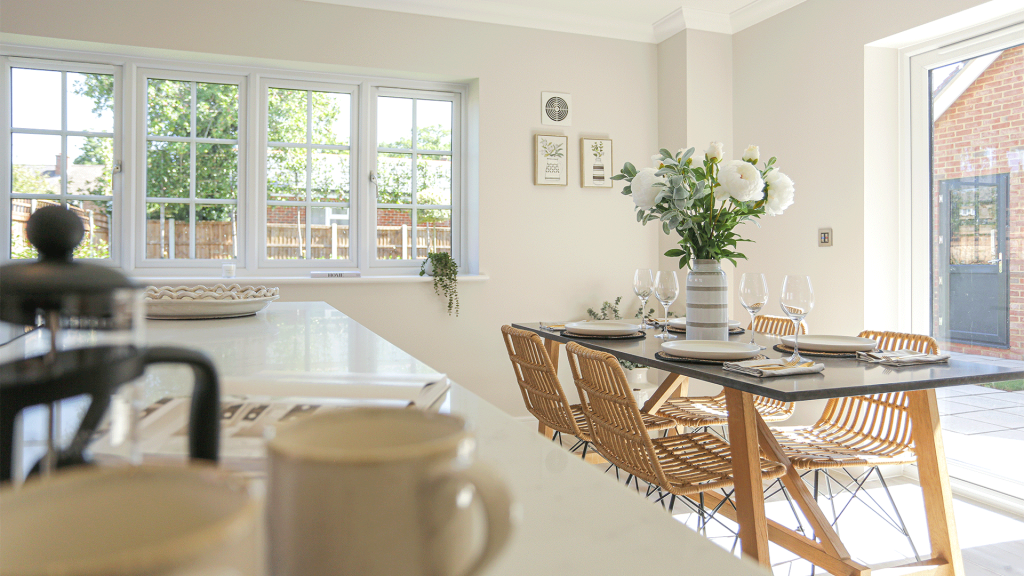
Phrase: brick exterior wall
(982, 133)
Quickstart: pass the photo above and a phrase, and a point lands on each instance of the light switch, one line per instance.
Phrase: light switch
(824, 236)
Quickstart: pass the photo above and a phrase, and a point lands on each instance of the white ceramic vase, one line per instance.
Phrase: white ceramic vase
(707, 306)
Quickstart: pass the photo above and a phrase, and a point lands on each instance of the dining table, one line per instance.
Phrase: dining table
(749, 436)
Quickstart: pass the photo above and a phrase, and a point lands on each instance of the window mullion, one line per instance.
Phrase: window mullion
(309, 174)
(192, 176)
(63, 138)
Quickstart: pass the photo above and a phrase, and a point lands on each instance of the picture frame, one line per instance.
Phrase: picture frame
(551, 166)
(596, 164)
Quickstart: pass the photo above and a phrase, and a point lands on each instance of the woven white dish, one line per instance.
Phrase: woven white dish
(206, 302)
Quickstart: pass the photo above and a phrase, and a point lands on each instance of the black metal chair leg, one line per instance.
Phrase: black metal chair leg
(892, 502)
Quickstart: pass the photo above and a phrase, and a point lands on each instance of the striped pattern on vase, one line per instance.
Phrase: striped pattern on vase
(707, 302)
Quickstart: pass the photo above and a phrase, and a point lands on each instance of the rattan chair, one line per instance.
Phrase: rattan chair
(703, 411)
(543, 394)
(775, 325)
(868, 431)
(684, 465)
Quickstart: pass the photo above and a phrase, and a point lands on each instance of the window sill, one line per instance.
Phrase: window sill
(284, 280)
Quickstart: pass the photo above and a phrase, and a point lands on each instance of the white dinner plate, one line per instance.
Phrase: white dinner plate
(681, 323)
(167, 309)
(823, 343)
(710, 349)
(602, 328)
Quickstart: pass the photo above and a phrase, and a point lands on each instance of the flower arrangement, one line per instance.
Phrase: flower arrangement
(704, 203)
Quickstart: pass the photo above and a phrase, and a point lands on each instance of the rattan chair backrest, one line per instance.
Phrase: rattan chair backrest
(879, 423)
(775, 325)
(538, 381)
(616, 427)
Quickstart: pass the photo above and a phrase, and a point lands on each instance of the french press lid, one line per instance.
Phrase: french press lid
(87, 295)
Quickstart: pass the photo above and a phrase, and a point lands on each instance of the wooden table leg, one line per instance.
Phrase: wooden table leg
(664, 392)
(931, 466)
(552, 348)
(746, 470)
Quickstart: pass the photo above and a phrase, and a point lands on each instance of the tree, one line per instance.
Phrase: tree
(433, 173)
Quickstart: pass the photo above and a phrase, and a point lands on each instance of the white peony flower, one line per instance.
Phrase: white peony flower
(752, 154)
(780, 193)
(714, 152)
(741, 180)
(644, 190)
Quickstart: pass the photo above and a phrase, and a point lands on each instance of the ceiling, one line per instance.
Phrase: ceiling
(640, 20)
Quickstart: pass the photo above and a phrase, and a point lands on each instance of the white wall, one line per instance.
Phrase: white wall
(550, 252)
(799, 93)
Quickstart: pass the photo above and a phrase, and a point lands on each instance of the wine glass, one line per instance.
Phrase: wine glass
(643, 285)
(797, 299)
(753, 296)
(666, 290)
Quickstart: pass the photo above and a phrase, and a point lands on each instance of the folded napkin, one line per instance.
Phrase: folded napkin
(553, 327)
(772, 368)
(903, 357)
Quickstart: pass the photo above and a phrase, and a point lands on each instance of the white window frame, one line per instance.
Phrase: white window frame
(916, 62)
(6, 196)
(355, 184)
(128, 253)
(142, 77)
(457, 154)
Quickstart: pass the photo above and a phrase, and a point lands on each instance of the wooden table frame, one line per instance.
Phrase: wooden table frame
(748, 433)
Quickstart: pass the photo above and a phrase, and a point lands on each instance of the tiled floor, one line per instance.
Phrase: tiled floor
(983, 427)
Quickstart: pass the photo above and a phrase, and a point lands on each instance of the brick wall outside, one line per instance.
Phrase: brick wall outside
(981, 134)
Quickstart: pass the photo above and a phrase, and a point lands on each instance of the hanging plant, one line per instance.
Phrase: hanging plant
(445, 272)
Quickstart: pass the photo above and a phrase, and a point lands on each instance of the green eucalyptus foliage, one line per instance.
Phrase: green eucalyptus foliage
(446, 280)
(687, 205)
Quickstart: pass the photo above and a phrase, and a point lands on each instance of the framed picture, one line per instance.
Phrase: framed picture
(596, 167)
(550, 158)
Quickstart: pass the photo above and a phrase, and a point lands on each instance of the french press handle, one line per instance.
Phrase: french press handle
(204, 416)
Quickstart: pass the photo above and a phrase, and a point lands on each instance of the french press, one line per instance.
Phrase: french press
(90, 342)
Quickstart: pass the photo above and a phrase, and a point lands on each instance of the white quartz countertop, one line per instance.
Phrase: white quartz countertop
(572, 518)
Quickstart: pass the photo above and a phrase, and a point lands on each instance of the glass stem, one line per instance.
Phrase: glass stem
(796, 338)
(664, 327)
(751, 326)
(643, 312)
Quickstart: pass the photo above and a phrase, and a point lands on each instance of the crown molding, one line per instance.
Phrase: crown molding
(683, 18)
(497, 12)
(759, 11)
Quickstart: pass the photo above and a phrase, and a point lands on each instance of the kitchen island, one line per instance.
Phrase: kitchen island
(572, 519)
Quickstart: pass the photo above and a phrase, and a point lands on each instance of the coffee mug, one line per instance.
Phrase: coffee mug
(373, 491)
(130, 521)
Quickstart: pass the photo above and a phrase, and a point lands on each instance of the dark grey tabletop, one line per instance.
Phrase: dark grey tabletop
(842, 376)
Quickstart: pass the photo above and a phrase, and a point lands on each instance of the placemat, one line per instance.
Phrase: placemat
(639, 335)
(669, 358)
(787, 350)
(732, 332)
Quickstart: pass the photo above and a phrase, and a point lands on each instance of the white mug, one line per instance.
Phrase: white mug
(130, 521)
(376, 491)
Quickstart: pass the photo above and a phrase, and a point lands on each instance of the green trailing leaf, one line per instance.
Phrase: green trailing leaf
(445, 272)
(619, 177)
(629, 169)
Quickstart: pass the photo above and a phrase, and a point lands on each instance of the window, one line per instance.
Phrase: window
(278, 172)
(417, 171)
(63, 137)
(308, 172)
(193, 159)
